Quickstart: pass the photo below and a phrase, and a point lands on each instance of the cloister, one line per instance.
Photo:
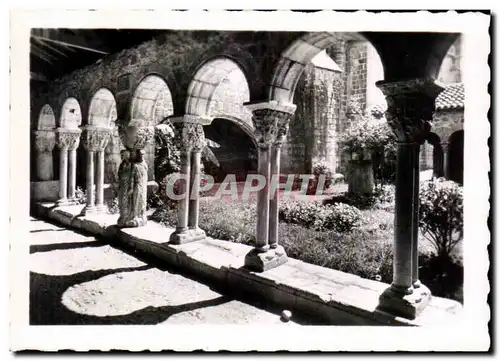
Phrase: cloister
(88, 116)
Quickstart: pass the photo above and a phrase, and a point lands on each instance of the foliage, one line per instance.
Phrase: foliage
(112, 206)
(366, 135)
(80, 196)
(321, 168)
(441, 214)
(338, 217)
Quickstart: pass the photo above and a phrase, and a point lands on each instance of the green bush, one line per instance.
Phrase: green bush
(441, 214)
(80, 196)
(322, 168)
(338, 217)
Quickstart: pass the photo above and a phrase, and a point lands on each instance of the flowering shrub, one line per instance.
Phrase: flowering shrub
(367, 135)
(80, 196)
(112, 206)
(441, 214)
(321, 168)
(338, 217)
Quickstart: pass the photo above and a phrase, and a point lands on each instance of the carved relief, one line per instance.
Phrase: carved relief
(45, 141)
(270, 126)
(68, 139)
(192, 136)
(410, 107)
(95, 139)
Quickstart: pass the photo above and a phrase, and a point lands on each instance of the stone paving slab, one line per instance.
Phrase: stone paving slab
(336, 296)
(97, 284)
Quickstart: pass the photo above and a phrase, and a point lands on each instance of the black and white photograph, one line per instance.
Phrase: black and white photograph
(294, 181)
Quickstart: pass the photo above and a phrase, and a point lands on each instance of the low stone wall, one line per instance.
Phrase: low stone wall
(337, 297)
(44, 190)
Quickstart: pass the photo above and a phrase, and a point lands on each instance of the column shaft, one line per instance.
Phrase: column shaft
(63, 174)
(194, 194)
(445, 160)
(262, 236)
(183, 204)
(415, 228)
(90, 179)
(274, 201)
(403, 269)
(72, 174)
(100, 179)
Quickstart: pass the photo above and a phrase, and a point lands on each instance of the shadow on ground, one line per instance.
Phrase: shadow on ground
(46, 293)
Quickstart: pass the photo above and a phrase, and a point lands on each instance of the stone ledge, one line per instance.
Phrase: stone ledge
(338, 297)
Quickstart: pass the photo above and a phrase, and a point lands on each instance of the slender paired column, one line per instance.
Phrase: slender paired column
(45, 141)
(100, 181)
(270, 120)
(410, 108)
(282, 130)
(446, 171)
(194, 196)
(264, 170)
(184, 186)
(67, 140)
(72, 173)
(95, 140)
(192, 141)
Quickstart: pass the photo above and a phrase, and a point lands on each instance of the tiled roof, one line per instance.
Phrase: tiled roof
(452, 97)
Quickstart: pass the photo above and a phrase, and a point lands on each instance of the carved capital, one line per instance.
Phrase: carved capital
(192, 137)
(410, 107)
(96, 139)
(271, 126)
(45, 141)
(68, 138)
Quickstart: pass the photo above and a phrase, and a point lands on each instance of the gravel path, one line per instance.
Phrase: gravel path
(76, 279)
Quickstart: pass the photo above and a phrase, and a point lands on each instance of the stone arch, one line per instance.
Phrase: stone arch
(46, 118)
(294, 59)
(71, 114)
(151, 104)
(208, 78)
(102, 109)
(237, 156)
(151, 101)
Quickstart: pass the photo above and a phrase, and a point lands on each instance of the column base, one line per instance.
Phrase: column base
(187, 236)
(405, 305)
(64, 202)
(89, 210)
(259, 261)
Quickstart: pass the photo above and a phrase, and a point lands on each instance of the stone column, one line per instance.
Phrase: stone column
(72, 168)
(270, 120)
(192, 141)
(45, 141)
(95, 140)
(445, 162)
(275, 175)
(410, 108)
(66, 139)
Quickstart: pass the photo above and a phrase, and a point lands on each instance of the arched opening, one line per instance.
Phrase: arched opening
(331, 78)
(103, 113)
(46, 118)
(456, 157)
(71, 114)
(237, 153)
(218, 87)
(43, 164)
(431, 158)
(151, 104)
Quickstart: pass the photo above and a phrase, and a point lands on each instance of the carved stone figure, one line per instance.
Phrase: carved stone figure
(124, 172)
(137, 191)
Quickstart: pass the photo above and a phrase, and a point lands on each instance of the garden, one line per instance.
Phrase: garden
(348, 230)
